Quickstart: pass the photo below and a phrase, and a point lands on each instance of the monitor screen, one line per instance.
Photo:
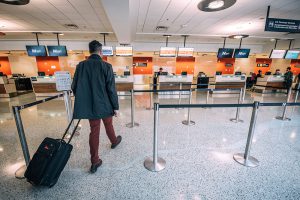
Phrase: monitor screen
(41, 74)
(57, 50)
(218, 73)
(238, 73)
(185, 52)
(225, 53)
(276, 53)
(126, 73)
(292, 54)
(123, 51)
(268, 73)
(34, 50)
(167, 52)
(107, 51)
(183, 73)
(241, 53)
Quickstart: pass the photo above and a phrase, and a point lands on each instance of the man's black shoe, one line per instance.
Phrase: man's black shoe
(119, 139)
(94, 167)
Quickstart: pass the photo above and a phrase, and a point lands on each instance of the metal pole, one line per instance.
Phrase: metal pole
(179, 101)
(132, 123)
(283, 117)
(20, 172)
(237, 116)
(245, 158)
(188, 122)
(156, 163)
(297, 93)
(151, 97)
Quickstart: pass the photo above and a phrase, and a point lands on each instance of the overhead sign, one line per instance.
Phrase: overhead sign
(124, 51)
(63, 80)
(241, 53)
(57, 50)
(34, 50)
(282, 25)
(107, 51)
(185, 52)
(225, 53)
(277, 53)
(167, 52)
(292, 54)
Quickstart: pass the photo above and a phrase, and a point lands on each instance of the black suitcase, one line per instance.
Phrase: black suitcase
(49, 160)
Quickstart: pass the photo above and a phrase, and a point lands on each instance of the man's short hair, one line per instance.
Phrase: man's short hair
(95, 46)
(289, 68)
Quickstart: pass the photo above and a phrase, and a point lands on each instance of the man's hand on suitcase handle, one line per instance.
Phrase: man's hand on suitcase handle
(116, 113)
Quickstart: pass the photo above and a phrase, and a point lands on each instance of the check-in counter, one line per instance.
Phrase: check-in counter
(173, 82)
(269, 83)
(44, 85)
(7, 87)
(230, 81)
(124, 83)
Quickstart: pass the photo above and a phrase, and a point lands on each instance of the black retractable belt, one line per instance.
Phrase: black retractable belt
(73, 132)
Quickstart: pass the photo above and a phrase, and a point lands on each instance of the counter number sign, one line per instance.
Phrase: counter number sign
(63, 80)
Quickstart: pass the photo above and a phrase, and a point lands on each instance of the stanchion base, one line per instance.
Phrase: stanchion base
(236, 121)
(161, 164)
(283, 119)
(19, 174)
(188, 123)
(130, 125)
(251, 162)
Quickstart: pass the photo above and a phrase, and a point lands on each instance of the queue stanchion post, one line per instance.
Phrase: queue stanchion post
(156, 163)
(132, 111)
(19, 174)
(237, 115)
(207, 96)
(179, 101)
(189, 122)
(245, 158)
(283, 117)
(68, 105)
(297, 93)
(151, 98)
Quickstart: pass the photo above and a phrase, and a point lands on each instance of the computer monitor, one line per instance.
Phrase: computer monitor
(218, 73)
(126, 73)
(238, 73)
(1, 74)
(183, 73)
(268, 73)
(164, 73)
(41, 74)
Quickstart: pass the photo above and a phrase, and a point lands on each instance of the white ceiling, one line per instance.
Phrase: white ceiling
(51, 15)
(136, 20)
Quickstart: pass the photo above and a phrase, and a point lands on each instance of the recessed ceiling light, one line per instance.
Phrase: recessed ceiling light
(167, 36)
(15, 2)
(272, 39)
(238, 36)
(61, 34)
(216, 4)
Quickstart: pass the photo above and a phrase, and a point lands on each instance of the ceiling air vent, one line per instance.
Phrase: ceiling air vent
(161, 28)
(71, 26)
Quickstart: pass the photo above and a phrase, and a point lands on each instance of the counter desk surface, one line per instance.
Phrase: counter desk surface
(269, 83)
(173, 82)
(228, 81)
(124, 83)
(7, 87)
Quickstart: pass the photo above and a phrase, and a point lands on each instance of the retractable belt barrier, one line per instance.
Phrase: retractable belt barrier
(156, 163)
(20, 128)
(132, 123)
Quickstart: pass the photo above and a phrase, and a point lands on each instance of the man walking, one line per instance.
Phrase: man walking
(288, 79)
(96, 99)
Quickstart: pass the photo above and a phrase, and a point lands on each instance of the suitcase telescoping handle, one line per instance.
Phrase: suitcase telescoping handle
(73, 132)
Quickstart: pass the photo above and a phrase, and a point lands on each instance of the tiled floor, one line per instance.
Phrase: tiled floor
(199, 158)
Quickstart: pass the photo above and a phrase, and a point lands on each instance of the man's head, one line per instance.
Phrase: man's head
(288, 69)
(95, 47)
(161, 69)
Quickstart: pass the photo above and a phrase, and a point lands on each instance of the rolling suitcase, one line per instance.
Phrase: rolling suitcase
(49, 160)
